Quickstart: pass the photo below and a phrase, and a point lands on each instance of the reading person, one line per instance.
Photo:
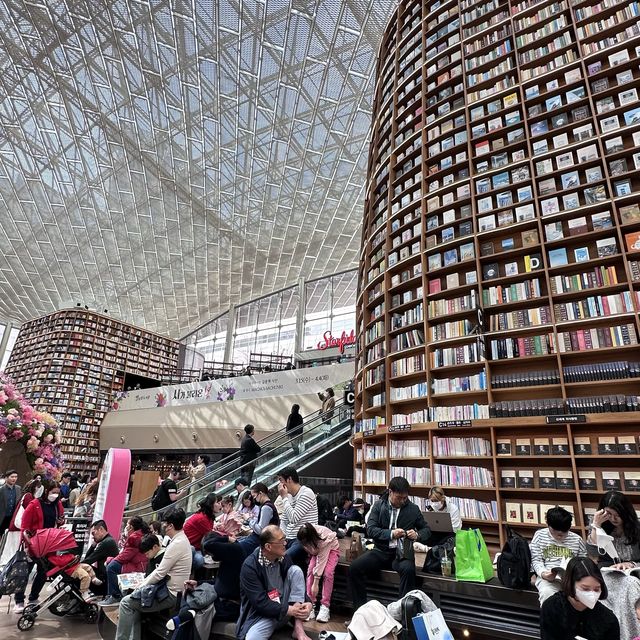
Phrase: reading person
(575, 611)
(616, 517)
(551, 547)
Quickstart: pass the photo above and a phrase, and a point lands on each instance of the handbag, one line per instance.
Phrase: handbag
(433, 559)
(355, 549)
(473, 563)
(431, 626)
(152, 593)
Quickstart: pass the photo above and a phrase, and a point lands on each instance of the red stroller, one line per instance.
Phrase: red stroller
(64, 597)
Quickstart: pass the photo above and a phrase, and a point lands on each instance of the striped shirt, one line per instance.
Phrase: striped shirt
(547, 552)
(298, 510)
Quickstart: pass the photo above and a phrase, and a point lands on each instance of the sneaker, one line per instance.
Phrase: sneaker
(18, 607)
(323, 614)
(311, 616)
(109, 601)
(87, 596)
(421, 548)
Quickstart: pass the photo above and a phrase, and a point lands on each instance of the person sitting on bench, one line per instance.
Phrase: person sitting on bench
(393, 517)
(272, 590)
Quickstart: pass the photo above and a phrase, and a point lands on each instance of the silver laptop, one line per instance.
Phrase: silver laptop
(438, 521)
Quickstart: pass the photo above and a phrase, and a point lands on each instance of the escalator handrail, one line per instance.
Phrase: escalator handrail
(231, 466)
(232, 458)
(229, 477)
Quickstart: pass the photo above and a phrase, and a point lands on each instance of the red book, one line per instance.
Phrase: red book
(435, 286)
(605, 305)
(580, 336)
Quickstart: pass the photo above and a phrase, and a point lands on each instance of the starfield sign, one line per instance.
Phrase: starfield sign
(329, 341)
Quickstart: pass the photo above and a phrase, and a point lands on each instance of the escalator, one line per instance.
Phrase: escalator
(320, 438)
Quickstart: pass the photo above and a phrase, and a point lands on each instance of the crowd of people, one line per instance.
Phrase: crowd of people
(276, 555)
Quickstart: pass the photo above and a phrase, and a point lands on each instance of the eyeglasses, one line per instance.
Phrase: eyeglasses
(283, 541)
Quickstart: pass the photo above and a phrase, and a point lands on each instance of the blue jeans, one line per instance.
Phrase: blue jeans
(197, 559)
(297, 553)
(114, 569)
(250, 543)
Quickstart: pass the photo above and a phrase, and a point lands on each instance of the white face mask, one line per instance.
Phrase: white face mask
(38, 492)
(52, 497)
(588, 598)
(436, 506)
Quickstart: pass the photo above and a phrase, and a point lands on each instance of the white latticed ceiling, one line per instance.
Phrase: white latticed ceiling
(164, 160)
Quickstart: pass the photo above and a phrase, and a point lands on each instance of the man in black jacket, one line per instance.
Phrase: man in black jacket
(103, 547)
(272, 590)
(249, 450)
(393, 518)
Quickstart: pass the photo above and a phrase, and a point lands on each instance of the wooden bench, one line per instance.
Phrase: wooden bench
(484, 609)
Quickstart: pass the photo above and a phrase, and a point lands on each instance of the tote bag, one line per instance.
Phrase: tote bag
(473, 563)
(431, 626)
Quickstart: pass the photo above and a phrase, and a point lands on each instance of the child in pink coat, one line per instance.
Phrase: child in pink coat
(323, 547)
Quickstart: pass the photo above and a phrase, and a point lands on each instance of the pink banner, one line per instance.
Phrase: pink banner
(112, 494)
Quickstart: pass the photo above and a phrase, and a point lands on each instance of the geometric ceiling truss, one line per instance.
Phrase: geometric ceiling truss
(164, 160)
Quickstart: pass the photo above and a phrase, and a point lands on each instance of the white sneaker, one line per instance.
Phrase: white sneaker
(311, 616)
(420, 548)
(323, 614)
(18, 607)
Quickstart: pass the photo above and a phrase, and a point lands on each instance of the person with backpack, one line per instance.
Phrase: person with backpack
(552, 546)
(167, 492)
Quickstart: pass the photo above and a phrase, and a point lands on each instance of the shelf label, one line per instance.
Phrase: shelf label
(369, 432)
(454, 423)
(395, 428)
(566, 419)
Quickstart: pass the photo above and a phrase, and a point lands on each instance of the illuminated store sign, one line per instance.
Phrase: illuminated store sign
(329, 341)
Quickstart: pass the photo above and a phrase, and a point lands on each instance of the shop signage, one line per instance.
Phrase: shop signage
(566, 419)
(369, 432)
(329, 341)
(454, 423)
(395, 428)
(296, 382)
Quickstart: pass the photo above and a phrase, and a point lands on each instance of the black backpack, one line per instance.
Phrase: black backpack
(514, 563)
(15, 575)
(432, 563)
(158, 499)
(325, 512)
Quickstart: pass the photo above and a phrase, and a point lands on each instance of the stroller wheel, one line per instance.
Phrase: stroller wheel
(30, 609)
(91, 614)
(25, 622)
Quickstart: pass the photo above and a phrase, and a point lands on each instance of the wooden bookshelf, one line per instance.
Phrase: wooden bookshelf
(70, 363)
(514, 462)
(500, 264)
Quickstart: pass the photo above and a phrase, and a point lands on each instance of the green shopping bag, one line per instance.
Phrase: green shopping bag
(473, 563)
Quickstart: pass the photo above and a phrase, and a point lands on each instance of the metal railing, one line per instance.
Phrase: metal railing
(319, 438)
(230, 465)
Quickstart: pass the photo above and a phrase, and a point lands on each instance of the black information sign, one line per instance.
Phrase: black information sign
(369, 432)
(399, 427)
(566, 419)
(454, 423)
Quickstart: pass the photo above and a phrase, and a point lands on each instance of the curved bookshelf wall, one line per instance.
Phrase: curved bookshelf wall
(500, 263)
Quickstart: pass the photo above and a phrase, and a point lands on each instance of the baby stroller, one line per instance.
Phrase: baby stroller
(64, 597)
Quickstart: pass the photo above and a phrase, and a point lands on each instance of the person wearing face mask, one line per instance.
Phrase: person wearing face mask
(616, 516)
(576, 611)
(129, 560)
(437, 501)
(13, 535)
(45, 512)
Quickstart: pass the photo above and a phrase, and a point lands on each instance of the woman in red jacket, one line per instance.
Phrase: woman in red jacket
(129, 560)
(199, 524)
(45, 512)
